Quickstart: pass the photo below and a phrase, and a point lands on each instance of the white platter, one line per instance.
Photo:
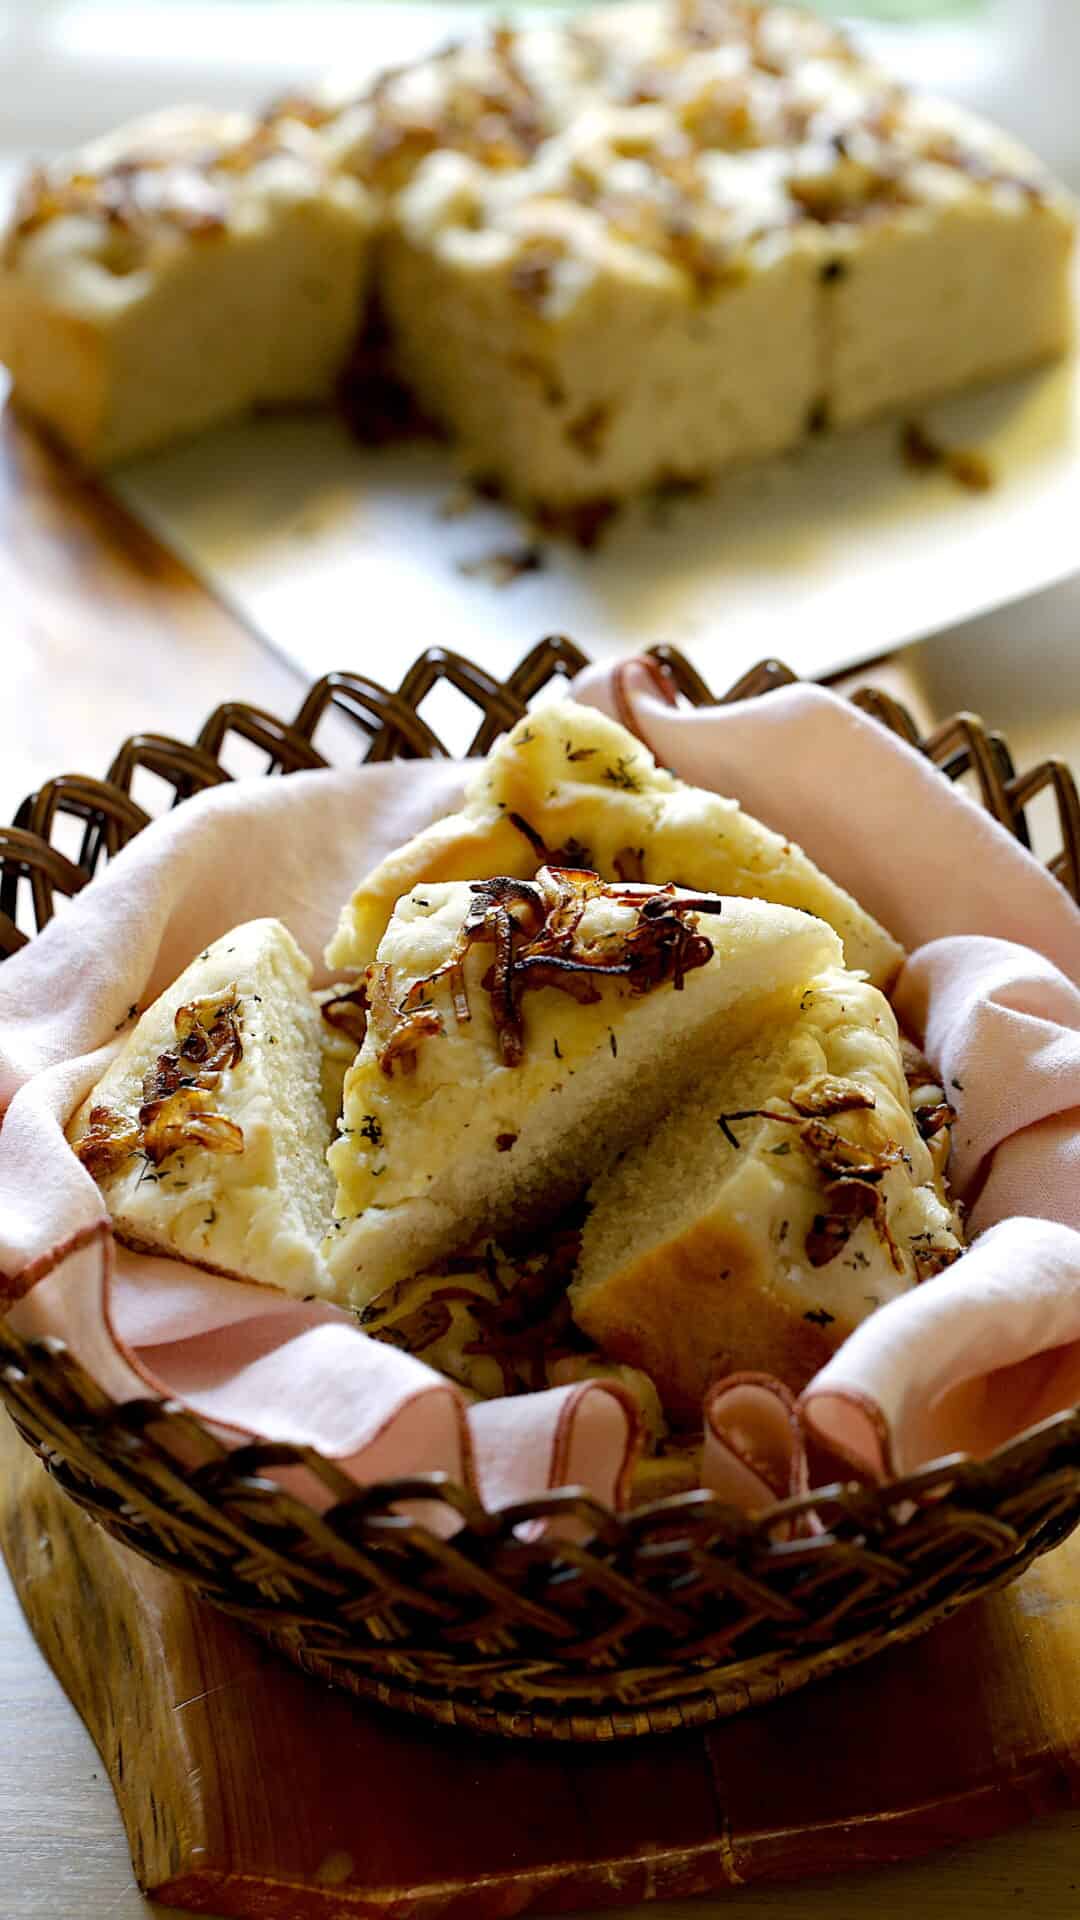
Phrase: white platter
(344, 558)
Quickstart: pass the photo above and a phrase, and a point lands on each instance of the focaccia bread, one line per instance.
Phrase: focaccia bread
(208, 1133)
(712, 229)
(613, 253)
(571, 785)
(788, 1195)
(189, 268)
(498, 1323)
(522, 1034)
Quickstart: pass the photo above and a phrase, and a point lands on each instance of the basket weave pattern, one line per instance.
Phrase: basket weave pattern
(602, 1625)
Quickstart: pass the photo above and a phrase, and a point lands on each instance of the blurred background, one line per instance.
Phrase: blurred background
(71, 68)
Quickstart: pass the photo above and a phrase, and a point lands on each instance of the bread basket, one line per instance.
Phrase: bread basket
(667, 1617)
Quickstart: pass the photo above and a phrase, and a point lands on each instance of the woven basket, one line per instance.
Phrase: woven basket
(667, 1617)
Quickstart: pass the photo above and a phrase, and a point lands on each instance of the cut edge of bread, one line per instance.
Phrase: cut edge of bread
(693, 1261)
(569, 1124)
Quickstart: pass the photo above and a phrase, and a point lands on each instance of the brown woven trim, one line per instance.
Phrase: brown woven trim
(15, 1286)
(389, 725)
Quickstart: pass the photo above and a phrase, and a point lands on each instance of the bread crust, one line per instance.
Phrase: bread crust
(691, 1310)
(790, 1194)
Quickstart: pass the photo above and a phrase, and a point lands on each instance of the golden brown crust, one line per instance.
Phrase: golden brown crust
(154, 1249)
(692, 1309)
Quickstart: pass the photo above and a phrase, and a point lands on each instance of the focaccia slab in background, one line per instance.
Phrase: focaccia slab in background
(612, 254)
(187, 270)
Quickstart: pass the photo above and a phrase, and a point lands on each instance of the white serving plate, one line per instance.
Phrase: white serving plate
(344, 558)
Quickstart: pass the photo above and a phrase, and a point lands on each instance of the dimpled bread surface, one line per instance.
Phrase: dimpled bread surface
(588, 790)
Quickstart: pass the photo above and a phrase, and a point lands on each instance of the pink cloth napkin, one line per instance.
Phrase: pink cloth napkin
(1002, 1326)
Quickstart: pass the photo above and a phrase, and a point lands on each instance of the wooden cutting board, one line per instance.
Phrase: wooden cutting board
(248, 1789)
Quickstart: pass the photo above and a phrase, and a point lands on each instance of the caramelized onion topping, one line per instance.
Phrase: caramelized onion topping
(931, 1259)
(846, 1169)
(187, 1119)
(208, 1031)
(512, 1307)
(931, 1120)
(934, 1114)
(831, 1231)
(840, 1159)
(496, 120)
(177, 1109)
(917, 1069)
(109, 1140)
(826, 1094)
(849, 1202)
(128, 196)
(348, 1013)
(534, 928)
(401, 1047)
(571, 854)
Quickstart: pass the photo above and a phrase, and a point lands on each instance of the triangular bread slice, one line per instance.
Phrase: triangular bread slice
(571, 785)
(208, 1133)
(521, 1035)
(725, 1240)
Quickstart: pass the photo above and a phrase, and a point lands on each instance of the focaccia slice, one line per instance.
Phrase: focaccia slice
(570, 784)
(521, 1035)
(790, 1193)
(208, 1133)
(183, 271)
(498, 1323)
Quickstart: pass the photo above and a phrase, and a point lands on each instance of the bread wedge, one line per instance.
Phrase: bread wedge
(524, 1033)
(498, 1323)
(786, 1196)
(184, 271)
(208, 1133)
(570, 784)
